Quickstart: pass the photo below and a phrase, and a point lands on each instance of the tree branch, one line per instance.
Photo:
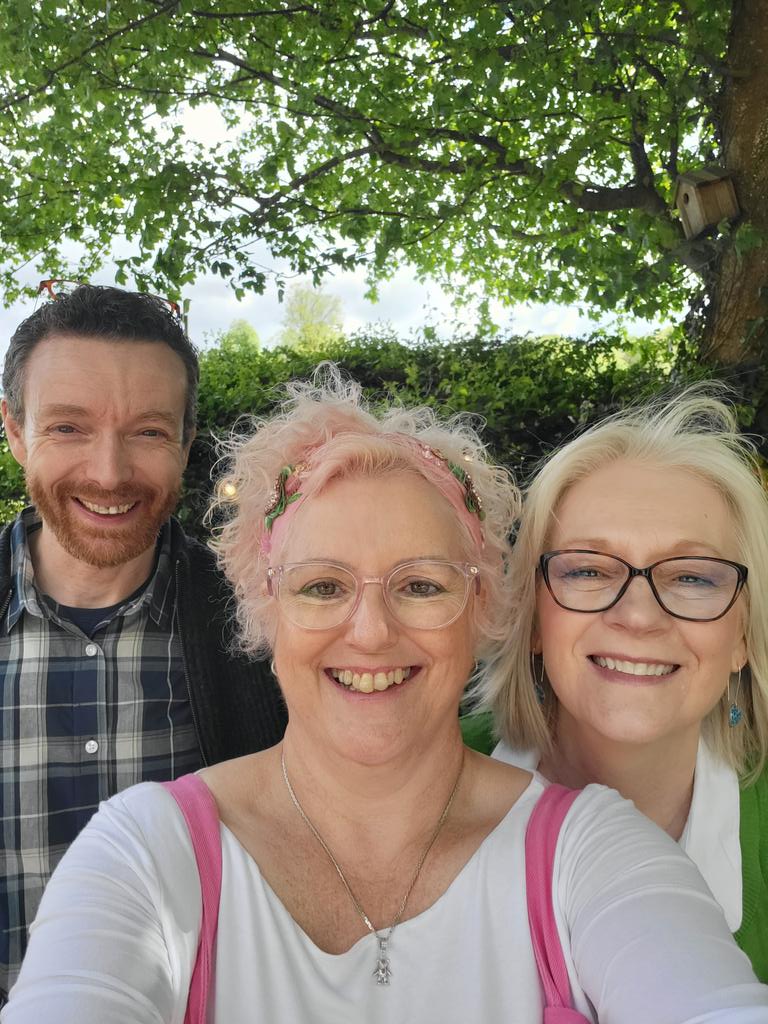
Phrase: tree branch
(96, 45)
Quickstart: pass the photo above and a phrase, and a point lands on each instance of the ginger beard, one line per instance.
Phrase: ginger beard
(113, 544)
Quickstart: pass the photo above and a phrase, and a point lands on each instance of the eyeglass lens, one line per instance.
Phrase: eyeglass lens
(695, 588)
(422, 595)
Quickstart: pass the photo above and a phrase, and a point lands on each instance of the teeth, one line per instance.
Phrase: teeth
(635, 668)
(104, 510)
(367, 682)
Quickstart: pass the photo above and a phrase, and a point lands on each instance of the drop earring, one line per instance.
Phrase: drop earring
(735, 714)
(538, 680)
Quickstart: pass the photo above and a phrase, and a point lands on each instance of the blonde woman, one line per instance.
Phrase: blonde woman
(638, 650)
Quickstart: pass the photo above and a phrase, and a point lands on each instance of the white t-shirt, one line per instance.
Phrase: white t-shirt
(645, 943)
(711, 833)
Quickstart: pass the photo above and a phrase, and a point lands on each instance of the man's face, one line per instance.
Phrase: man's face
(101, 443)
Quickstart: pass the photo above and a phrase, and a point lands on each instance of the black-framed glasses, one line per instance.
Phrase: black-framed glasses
(698, 589)
(56, 287)
(422, 594)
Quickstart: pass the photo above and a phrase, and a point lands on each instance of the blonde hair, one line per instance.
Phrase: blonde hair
(357, 441)
(694, 431)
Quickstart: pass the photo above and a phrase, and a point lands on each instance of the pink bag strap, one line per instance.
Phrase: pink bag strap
(540, 844)
(201, 814)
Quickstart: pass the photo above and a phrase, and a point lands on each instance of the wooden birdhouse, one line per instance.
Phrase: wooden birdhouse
(704, 198)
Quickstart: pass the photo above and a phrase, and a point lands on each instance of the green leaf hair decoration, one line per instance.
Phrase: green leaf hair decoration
(471, 497)
(280, 499)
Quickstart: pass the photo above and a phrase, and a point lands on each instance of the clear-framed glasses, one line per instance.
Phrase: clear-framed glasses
(699, 589)
(422, 594)
(56, 287)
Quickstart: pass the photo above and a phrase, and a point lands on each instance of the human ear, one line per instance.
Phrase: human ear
(14, 433)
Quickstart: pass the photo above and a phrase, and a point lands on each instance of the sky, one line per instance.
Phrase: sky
(404, 303)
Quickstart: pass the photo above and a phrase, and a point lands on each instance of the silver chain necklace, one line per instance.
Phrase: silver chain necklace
(382, 972)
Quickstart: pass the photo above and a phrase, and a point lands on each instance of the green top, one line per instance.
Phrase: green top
(752, 936)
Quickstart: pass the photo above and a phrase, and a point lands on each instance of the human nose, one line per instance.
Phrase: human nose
(109, 463)
(637, 608)
(371, 624)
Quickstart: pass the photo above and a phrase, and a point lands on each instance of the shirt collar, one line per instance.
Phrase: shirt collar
(158, 596)
(711, 835)
(24, 596)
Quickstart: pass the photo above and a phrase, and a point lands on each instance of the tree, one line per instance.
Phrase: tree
(240, 336)
(312, 318)
(530, 146)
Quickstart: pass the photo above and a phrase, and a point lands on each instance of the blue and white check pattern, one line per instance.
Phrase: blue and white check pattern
(81, 718)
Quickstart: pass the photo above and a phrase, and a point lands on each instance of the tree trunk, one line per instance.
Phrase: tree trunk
(736, 332)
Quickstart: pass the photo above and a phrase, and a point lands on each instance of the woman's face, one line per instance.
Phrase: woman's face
(642, 514)
(371, 525)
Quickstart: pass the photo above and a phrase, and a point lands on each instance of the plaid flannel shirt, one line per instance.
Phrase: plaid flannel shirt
(82, 718)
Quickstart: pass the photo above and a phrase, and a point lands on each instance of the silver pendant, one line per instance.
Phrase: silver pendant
(383, 971)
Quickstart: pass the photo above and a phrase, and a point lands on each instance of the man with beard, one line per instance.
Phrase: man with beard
(115, 665)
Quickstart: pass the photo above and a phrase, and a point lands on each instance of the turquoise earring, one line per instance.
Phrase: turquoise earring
(538, 681)
(735, 714)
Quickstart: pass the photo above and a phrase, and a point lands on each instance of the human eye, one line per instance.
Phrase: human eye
(429, 580)
(700, 577)
(323, 589)
(322, 584)
(581, 572)
(63, 429)
(421, 587)
(585, 570)
(695, 580)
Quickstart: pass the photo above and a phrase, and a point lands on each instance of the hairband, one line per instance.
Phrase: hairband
(452, 480)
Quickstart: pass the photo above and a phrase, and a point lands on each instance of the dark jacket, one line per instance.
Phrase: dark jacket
(236, 704)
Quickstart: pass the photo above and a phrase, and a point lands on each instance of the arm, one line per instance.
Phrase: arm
(647, 940)
(116, 934)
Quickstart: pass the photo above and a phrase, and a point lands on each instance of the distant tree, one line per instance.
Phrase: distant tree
(312, 318)
(240, 336)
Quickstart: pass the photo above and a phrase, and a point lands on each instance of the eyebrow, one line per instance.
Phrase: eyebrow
(154, 415)
(346, 565)
(606, 547)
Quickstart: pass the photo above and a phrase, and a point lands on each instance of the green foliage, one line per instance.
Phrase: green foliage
(312, 319)
(12, 486)
(240, 336)
(531, 147)
(532, 393)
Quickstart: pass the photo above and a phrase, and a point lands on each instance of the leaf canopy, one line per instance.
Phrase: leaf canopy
(530, 147)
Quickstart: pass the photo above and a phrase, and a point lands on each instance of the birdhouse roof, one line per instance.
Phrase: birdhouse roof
(704, 176)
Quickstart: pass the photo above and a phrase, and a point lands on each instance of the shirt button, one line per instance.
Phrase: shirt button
(91, 649)
(91, 747)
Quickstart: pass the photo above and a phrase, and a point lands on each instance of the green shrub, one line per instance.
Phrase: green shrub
(532, 392)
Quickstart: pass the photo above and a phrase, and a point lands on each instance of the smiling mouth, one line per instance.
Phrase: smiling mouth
(370, 682)
(634, 668)
(106, 510)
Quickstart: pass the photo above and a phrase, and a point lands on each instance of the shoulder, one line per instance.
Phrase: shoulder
(138, 839)
(5, 550)
(145, 816)
(198, 568)
(187, 548)
(605, 834)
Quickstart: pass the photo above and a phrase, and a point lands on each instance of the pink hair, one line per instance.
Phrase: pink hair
(331, 415)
